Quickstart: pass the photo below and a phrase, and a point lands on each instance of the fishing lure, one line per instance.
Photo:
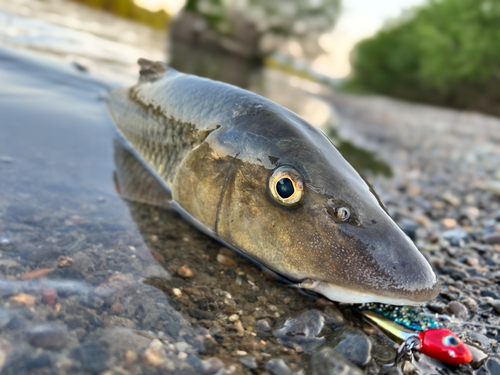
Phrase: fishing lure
(438, 343)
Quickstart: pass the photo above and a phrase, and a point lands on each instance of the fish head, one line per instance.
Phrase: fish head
(445, 346)
(294, 204)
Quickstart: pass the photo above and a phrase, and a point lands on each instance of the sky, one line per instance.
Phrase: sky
(359, 19)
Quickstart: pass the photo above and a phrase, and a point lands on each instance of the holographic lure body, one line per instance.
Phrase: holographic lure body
(436, 342)
(403, 315)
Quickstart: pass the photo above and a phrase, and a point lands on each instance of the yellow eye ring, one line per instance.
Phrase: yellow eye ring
(286, 186)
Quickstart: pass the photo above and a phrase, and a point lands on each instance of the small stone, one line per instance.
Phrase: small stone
(212, 366)
(488, 293)
(262, 325)
(23, 299)
(185, 272)
(249, 344)
(329, 362)
(300, 332)
(279, 367)
(152, 357)
(48, 336)
(130, 356)
(177, 292)
(35, 274)
(451, 199)
(2, 359)
(437, 306)
(472, 261)
(182, 346)
(458, 309)
(249, 362)
(492, 239)
(449, 222)
(64, 261)
(493, 365)
(91, 356)
(492, 187)
(49, 296)
(225, 261)
(470, 303)
(234, 318)
(479, 355)
(239, 328)
(116, 308)
(496, 305)
(454, 236)
(192, 292)
(353, 344)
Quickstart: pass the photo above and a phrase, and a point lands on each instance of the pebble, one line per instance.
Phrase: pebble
(116, 308)
(225, 261)
(49, 296)
(329, 362)
(300, 332)
(451, 199)
(492, 239)
(91, 356)
(278, 366)
(65, 261)
(130, 356)
(152, 357)
(212, 365)
(492, 187)
(479, 355)
(249, 362)
(234, 318)
(23, 299)
(496, 305)
(177, 292)
(2, 359)
(35, 274)
(493, 365)
(185, 272)
(454, 236)
(262, 325)
(353, 344)
(458, 309)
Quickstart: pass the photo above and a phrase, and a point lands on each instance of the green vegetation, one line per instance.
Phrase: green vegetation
(128, 9)
(445, 52)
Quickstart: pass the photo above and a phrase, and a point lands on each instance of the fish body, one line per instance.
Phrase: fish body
(269, 185)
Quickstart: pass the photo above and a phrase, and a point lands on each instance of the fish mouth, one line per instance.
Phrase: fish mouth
(345, 295)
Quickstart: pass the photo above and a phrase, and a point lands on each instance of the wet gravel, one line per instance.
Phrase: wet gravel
(93, 284)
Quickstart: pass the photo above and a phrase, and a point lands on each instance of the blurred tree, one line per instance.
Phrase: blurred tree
(270, 22)
(128, 9)
(445, 53)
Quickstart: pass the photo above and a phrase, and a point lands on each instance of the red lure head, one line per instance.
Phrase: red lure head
(445, 346)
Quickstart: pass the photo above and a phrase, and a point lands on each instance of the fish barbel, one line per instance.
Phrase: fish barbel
(269, 185)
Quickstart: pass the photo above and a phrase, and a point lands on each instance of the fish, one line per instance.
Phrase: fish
(438, 343)
(269, 185)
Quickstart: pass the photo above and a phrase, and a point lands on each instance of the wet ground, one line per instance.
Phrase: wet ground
(95, 284)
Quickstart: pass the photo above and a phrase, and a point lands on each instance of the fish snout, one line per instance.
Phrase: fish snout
(376, 263)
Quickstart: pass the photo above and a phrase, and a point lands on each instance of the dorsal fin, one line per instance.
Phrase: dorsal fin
(151, 70)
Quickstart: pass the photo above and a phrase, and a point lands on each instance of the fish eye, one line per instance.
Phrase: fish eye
(450, 340)
(342, 213)
(286, 186)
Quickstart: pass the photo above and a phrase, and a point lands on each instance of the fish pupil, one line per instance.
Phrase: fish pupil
(285, 188)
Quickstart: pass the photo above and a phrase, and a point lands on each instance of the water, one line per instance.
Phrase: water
(90, 281)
